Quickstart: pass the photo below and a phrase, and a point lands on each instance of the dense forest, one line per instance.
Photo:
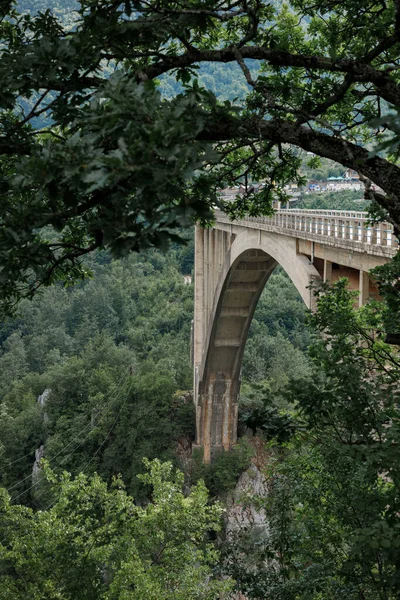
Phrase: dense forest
(102, 496)
(123, 338)
(113, 355)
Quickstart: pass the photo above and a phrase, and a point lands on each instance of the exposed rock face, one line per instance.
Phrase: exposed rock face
(246, 522)
(183, 448)
(39, 452)
(184, 452)
(42, 400)
(243, 504)
(242, 512)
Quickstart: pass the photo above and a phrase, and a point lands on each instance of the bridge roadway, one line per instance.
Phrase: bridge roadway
(233, 261)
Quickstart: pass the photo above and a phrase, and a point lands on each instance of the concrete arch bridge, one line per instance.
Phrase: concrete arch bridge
(233, 262)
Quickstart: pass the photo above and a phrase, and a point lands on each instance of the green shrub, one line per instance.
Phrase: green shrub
(225, 469)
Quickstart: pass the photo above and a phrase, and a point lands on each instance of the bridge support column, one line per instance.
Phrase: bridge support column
(327, 271)
(363, 288)
(199, 283)
(217, 415)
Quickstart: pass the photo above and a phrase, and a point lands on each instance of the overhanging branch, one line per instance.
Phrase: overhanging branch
(359, 70)
(383, 173)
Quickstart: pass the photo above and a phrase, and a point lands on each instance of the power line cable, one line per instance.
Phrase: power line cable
(65, 458)
(99, 448)
(19, 459)
(72, 441)
(95, 453)
(78, 436)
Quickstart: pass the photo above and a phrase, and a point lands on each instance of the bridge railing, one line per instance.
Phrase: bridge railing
(353, 226)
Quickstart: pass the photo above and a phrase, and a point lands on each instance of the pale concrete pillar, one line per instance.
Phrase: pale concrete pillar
(211, 254)
(218, 412)
(206, 278)
(199, 282)
(218, 252)
(327, 271)
(221, 251)
(363, 288)
(226, 242)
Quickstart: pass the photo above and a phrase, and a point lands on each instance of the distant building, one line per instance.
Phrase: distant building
(351, 174)
(333, 184)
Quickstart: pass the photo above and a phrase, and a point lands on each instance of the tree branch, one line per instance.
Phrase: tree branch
(358, 69)
(380, 171)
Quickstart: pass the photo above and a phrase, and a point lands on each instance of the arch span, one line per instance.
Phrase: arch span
(249, 261)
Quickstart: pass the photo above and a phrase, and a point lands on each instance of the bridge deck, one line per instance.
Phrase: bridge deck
(344, 229)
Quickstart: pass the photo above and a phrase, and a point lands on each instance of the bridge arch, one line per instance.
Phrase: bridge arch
(251, 258)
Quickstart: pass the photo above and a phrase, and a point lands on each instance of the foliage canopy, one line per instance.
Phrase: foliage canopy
(333, 503)
(92, 155)
(95, 543)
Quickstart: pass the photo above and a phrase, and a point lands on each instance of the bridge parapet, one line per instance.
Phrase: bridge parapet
(348, 229)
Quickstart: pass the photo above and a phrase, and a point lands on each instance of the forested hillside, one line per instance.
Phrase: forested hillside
(62, 7)
(116, 136)
(117, 343)
(217, 78)
(117, 347)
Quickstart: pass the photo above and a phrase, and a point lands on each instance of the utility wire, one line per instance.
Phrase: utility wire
(99, 448)
(77, 437)
(18, 459)
(121, 382)
(65, 458)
